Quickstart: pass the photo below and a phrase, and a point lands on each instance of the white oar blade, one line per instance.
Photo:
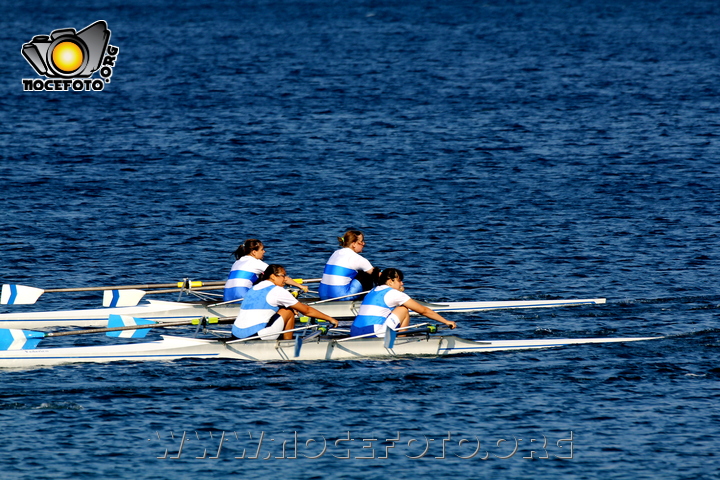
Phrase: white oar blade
(122, 298)
(14, 339)
(119, 321)
(19, 295)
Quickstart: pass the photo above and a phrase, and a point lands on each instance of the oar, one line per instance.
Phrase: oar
(130, 297)
(122, 298)
(238, 300)
(299, 339)
(338, 298)
(24, 295)
(255, 337)
(389, 329)
(126, 326)
(15, 339)
(390, 335)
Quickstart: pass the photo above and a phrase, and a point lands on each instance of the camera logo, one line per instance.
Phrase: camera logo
(68, 59)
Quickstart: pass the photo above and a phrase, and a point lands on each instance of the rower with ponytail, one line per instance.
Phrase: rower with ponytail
(247, 269)
(347, 272)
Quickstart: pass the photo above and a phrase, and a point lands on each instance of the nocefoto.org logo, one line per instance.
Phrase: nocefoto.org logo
(68, 59)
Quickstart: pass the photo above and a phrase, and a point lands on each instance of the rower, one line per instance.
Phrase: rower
(246, 270)
(269, 309)
(388, 306)
(347, 272)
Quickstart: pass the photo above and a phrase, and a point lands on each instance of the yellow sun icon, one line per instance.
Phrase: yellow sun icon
(67, 56)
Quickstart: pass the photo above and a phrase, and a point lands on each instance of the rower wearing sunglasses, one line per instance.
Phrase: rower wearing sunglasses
(268, 309)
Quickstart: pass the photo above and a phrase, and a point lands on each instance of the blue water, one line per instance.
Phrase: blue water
(493, 151)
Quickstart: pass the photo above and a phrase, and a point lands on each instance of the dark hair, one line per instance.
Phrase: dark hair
(273, 269)
(351, 236)
(390, 274)
(250, 245)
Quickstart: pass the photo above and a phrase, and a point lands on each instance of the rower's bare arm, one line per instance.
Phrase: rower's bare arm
(428, 312)
(291, 282)
(312, 312)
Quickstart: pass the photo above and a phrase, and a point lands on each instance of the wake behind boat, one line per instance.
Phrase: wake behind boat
(316, 349)
(163, 311)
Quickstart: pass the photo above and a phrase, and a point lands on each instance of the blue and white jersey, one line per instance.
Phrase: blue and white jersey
(244, 273)
(376, 308)
(340, 271)
(261, 302)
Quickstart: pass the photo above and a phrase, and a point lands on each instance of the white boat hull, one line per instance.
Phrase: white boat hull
(161, 311)
(174, 348)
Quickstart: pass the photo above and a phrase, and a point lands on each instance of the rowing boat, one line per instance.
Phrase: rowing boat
(319, 348)
(163, 311)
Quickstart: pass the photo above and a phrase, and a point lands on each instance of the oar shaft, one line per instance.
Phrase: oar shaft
(373, 334)
(194, 289)
(279, 333)
(133, 327)
(177, 285)
(339, 298)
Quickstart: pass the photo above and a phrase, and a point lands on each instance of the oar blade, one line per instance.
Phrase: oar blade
(19, 295)
(298, 345)
(119, 321)
(15, 339)
(390, 336)
(122, 298)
